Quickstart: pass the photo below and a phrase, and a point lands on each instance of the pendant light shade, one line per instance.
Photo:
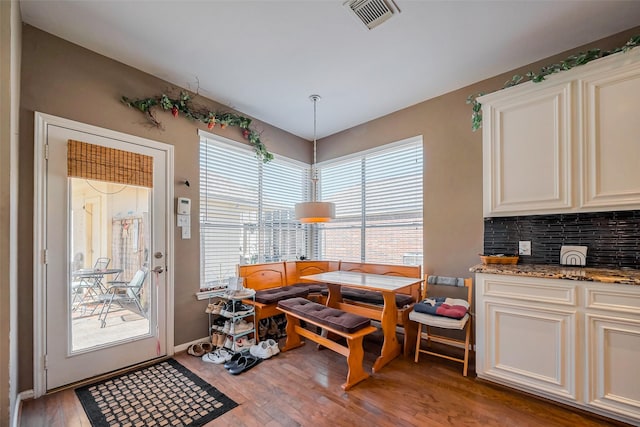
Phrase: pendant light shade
(314, 211)
(310, 212)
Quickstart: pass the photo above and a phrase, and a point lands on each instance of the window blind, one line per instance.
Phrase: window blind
(246, 209)
(378, 196)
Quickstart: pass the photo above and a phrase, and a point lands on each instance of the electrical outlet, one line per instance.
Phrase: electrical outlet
(524, 247)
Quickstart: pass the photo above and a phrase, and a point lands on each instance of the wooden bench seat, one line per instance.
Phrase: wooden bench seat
(350, 326)
(275, 281)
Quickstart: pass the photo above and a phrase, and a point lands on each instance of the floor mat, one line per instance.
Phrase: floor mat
(164, 394)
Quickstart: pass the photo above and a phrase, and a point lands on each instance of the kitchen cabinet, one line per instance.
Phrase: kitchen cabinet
(574, 342)
(567, 144)
(526, 334)
(612, 341)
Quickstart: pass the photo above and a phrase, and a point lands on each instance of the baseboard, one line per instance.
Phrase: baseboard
(185, 346)
(23, 395)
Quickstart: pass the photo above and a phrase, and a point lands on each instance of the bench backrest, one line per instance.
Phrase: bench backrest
(297, 269)
(389, 270)
(263, 276)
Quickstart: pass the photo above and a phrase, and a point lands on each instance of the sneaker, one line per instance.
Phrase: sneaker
(240, 326)
(218, 324)
(261, 350)
(273, 345)
(218, 357)
(228, 343)
(236, 308)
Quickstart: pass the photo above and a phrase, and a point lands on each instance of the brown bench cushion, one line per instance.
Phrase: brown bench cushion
(273, 295)
(313, 287)
(331, 317)
(372, 297)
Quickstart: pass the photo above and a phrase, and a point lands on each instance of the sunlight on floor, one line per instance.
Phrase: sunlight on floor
(121, 325)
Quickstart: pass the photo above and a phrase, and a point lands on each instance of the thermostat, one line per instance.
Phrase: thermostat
(184, 206)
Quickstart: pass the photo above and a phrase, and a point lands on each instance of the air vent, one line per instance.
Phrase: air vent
(371, 12)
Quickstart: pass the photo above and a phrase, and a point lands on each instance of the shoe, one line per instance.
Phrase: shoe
(226, 329)
(236, 308)
(217, 306)
(240, 326)
(261, 350)
(195, 350)
(275, 349)
(228, 343)
(243, 343)
(218, 323)
(218, 357)
(243, 364)
(206, 347)
(234, 359)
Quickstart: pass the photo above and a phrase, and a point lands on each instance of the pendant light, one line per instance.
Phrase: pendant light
(314, 211)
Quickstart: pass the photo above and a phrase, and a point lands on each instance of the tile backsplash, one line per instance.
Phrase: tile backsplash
(612, 238)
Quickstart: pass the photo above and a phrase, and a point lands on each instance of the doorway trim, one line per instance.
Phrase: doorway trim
(41, 123)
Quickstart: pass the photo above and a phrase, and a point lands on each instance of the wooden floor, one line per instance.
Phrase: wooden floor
(302, 388)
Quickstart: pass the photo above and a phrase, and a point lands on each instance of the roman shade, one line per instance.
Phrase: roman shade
(100, 163)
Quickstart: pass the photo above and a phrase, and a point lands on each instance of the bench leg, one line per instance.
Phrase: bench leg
(355, 358)
(293, 338)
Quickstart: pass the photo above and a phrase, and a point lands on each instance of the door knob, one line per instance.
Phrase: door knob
(158, 269)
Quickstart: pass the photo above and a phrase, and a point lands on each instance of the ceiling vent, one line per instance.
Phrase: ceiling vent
(372, 12)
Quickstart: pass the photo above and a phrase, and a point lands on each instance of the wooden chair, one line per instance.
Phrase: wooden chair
(428, 321)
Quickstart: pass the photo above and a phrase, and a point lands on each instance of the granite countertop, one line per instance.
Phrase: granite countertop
(624, 276)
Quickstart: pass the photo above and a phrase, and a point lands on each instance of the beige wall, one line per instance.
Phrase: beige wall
(62, 79)
(65, 80)
(453, 222)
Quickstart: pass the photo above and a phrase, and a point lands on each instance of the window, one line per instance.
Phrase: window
(378, 197)
(246, 208)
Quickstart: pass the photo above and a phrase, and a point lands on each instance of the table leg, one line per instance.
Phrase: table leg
(390, 346)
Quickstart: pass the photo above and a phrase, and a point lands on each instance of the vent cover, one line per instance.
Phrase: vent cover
(371, 12)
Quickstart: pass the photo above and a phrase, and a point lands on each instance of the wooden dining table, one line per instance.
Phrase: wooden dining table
(386, 284)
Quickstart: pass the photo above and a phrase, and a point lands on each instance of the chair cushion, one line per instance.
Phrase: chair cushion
(372, 297)
(332, 317)
(273, 295)
(443, 306)
(313, 287)
(439, 321)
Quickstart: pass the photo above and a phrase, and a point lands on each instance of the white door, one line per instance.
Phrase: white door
(104, 287)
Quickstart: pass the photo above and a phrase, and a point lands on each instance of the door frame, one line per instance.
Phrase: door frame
(41, 123)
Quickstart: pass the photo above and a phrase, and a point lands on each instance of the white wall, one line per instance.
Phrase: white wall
(10, 52)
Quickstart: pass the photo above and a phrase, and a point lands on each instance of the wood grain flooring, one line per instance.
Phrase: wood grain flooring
(302, 388)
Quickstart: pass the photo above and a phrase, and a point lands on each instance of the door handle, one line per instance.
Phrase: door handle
(158, 269)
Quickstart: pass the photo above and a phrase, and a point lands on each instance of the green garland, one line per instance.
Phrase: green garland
(569, 63)
(211, 119)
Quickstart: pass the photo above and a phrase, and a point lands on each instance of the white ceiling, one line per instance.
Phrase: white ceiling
(264, 58)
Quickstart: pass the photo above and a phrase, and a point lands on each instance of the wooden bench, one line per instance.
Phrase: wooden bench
(281, 280)
(269, 280)
(350, 326)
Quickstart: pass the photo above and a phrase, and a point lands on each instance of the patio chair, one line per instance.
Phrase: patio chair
(89, 285)
(122, 293)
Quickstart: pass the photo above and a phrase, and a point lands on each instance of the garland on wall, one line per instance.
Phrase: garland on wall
(567, 64)
(181, 105)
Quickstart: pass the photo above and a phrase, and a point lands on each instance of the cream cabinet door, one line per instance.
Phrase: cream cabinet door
(532, 347)
(527, 150)
(612, 341)
(610, 126)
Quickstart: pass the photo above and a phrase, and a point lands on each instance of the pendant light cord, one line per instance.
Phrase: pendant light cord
(314, 171)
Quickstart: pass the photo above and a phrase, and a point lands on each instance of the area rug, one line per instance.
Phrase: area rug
(164, 394)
